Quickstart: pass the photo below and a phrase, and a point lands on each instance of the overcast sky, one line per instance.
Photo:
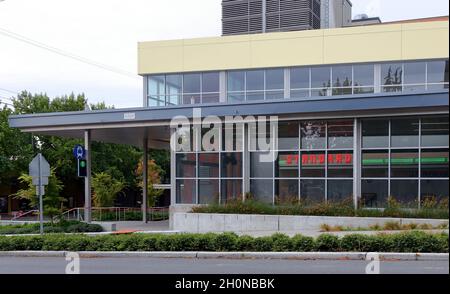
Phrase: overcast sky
(107, 31)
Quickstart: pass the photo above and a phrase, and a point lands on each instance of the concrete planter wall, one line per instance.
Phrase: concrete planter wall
(204, 222)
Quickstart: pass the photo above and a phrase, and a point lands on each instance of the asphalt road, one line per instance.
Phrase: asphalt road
(57, 265)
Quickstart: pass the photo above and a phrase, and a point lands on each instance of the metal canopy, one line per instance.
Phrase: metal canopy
(131, 126)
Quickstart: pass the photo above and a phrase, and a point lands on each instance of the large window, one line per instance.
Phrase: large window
(296, 82)
(255, 85)
(392, 77)
(407, 163)
(313, 135)
(204, 177)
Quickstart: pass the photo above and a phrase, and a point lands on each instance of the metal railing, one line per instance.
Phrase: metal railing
(117, 214)
(18, 215)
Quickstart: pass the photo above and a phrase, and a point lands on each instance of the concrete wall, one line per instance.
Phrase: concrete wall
(202, 223)
(376, 43)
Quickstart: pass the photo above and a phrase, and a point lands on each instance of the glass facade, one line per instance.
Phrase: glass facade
(296, 82)
(404, 157)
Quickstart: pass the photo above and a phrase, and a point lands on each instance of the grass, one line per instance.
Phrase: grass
(388, 226)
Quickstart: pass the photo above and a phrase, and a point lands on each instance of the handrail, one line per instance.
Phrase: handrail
(24, 214)
(118, 212)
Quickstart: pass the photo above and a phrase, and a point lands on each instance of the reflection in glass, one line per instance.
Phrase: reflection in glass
(186, 192)
(255, 80)
(191, 83)
(392, 77)
(208, 191)
(363, 76)
(340, 191)
(438, 75)
(286, 191)
(340, 134)
(340, 164)
(260, 168)
(374, 193)
(375, 164)
(210, 82)
(208, 165)
(375, 133)
(406, 192)
(405, 132)
(231, 165)
(434, 190)
(404, 163)
(434, 163)
(156, 85)
(312, 191)
(415, 76)
(186, 163)
(262, 190)
(300, 78)
(321, 81)
(275, 79)
(312, 165)
(313, 135)
(435, 131)
(231, 190)
(342, 80)
(287, 165)
(288, 133)
(236, 81)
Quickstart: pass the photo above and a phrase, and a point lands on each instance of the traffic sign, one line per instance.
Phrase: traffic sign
(79, 152)
(33, 168)
(39, 170)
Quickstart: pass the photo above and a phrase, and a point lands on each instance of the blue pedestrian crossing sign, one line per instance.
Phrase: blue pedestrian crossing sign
(79, 152)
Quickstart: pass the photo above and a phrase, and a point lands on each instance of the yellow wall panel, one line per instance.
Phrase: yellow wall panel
(363, 47)
(374, 43)
(419, 44)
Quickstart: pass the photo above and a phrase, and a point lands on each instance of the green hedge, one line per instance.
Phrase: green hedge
(345, 208)
(402, 242)
(59, 227)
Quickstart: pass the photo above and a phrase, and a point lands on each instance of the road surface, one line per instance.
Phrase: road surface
(122, 265)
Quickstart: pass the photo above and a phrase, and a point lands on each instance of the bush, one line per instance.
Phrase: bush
(62, 226)
(343, 208)
(328, 243)
(416, 242)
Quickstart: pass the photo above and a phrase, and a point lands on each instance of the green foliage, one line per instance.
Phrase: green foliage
(105, 189)
(344, 208)
(415, 242)
(59, 227)
(16, 148)
(53, 202)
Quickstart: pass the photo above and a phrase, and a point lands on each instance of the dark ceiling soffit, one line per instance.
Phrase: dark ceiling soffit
(281, 107)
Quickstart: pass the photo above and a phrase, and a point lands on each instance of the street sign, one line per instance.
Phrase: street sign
(33, 168)
(39, 170)
(79, 152)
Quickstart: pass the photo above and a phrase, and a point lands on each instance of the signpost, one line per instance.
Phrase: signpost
(80, 154)
(39, 170)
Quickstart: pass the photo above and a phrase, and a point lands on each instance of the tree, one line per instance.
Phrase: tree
(106, 189)
(154, 178)
(53, 202)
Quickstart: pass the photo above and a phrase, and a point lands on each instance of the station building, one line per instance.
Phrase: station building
(362, 107)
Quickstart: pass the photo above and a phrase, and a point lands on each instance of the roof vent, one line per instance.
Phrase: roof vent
(361, 16)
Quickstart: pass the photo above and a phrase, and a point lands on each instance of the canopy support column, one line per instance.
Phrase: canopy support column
(145, 181)
(87, 179)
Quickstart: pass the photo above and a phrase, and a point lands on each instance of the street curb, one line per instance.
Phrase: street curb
(239, 255)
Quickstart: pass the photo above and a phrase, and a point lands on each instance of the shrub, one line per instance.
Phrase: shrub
(327, 242)
(343, 208)
(245, 243)
(281, 242)
(402, 242)
(302, 243)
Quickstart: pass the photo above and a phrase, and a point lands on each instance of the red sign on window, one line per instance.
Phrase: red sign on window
(317, 159)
